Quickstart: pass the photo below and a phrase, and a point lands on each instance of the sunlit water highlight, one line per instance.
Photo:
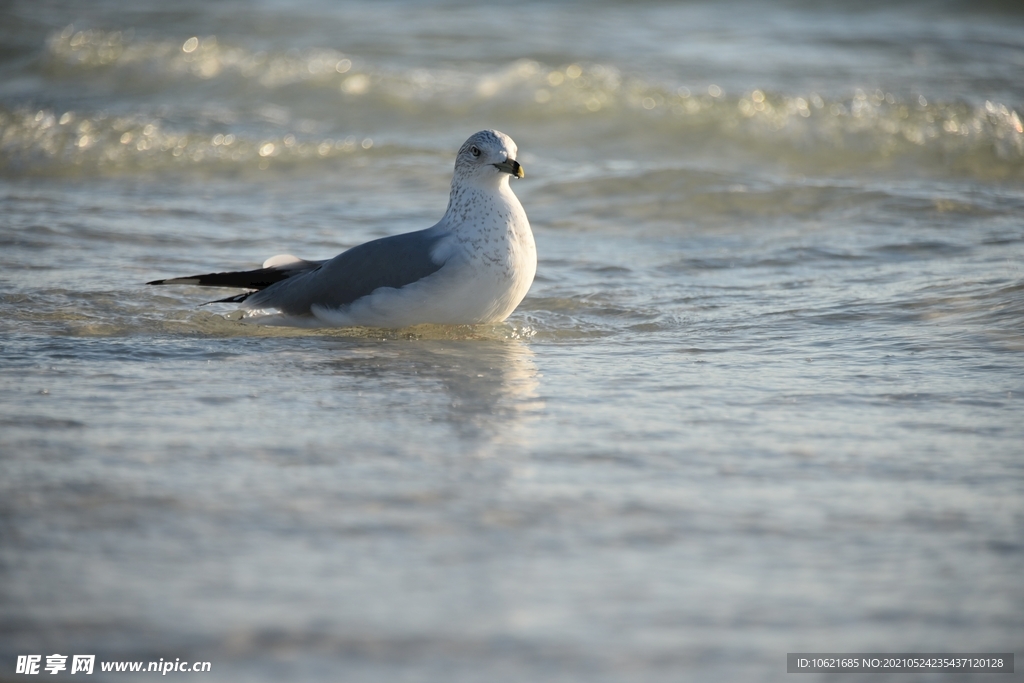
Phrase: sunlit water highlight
(764, 395)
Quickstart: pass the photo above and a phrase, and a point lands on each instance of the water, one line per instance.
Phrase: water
(763, 397)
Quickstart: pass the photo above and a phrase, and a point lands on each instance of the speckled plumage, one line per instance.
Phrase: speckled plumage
(474, 266)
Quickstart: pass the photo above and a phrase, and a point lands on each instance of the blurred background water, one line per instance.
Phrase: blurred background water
(765, 395)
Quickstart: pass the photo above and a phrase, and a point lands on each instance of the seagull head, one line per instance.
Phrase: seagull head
(488, 154)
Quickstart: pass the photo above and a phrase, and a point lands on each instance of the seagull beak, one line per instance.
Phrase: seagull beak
(511, 166)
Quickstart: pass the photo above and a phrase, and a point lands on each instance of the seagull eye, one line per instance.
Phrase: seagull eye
(474, 151)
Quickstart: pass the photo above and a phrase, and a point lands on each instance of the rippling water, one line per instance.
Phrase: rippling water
(763, 397)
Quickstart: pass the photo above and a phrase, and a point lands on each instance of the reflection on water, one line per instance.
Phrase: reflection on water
(483, 389)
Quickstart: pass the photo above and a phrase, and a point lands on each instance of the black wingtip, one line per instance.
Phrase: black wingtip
(236, 299)
(193, 280)
(261, 278)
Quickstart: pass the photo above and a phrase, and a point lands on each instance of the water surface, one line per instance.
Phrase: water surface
(763, 397)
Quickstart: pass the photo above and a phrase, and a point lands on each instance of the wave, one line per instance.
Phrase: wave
(53, 143)
(284, 106)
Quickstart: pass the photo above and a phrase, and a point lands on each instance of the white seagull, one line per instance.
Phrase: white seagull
(474, 266)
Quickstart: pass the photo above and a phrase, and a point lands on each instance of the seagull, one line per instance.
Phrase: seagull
(473, 266)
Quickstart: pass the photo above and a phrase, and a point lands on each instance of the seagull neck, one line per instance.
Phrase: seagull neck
(483, 182)
(467, 191)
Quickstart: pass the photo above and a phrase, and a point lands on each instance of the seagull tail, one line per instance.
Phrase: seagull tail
(274, 270)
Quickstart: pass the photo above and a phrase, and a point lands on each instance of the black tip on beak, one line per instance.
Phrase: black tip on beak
(511, 166)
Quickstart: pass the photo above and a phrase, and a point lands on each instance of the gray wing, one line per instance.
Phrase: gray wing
(387, 262)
